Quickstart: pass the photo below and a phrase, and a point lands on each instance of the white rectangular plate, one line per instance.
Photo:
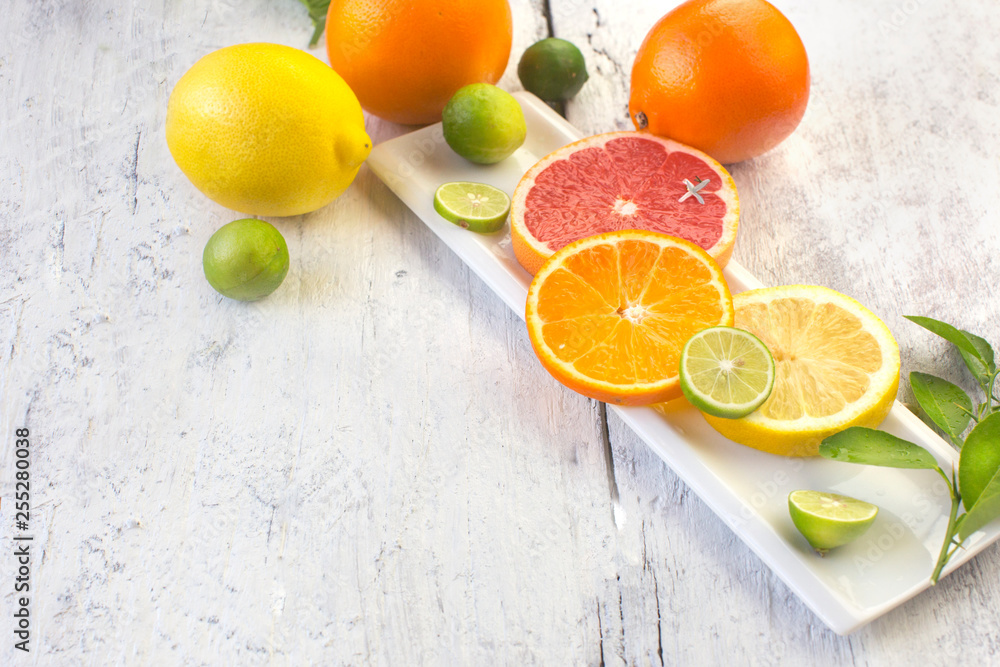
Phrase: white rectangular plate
(848, 588)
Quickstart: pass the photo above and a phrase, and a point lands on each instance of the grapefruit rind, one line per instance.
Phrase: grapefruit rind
(532, 253)
(640, 393)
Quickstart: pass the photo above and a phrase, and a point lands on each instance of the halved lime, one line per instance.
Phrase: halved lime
(476, 206)
(726, 372)
(829, 520)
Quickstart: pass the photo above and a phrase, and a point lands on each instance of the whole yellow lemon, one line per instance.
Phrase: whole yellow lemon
(266, 129)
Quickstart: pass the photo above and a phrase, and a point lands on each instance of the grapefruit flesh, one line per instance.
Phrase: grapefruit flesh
(623, 180)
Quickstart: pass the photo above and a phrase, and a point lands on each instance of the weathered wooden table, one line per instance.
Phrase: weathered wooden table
(370, 466)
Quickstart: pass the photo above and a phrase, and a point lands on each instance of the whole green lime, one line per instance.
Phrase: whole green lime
(483, 123)
(553, 69)
(246, 259)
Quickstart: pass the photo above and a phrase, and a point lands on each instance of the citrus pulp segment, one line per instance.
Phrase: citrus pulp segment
(623, 180)
(726, 372)
(837, 365)
(830, 520)
(475, 206)
(608, 315)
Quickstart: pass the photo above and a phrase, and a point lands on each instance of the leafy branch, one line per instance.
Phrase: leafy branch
(978, 357)
(975, 486)
(317, 12)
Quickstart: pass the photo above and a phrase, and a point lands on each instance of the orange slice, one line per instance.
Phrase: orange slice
(608, 315)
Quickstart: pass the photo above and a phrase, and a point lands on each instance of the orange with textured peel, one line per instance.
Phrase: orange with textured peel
(404, 59)
(729, 77)
(608, 315)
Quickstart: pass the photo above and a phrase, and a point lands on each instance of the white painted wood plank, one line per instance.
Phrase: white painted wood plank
(315, 477)
(862, 198)
(370, 466)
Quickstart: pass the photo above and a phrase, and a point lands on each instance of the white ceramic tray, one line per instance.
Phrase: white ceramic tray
(848, 588)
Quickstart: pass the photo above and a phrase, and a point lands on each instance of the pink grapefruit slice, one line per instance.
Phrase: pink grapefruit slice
(623, 180)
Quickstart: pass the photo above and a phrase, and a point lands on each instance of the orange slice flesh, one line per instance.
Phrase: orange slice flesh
(608, 315)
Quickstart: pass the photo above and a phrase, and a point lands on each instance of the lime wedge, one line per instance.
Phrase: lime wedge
(829, 520)
(726, 372)
(476, 206)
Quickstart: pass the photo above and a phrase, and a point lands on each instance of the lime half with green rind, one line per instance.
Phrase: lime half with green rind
(726, 372)
(477, 207)
(830, 520)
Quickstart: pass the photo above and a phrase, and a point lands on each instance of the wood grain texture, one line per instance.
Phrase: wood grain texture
(369, 466)
(863, 198)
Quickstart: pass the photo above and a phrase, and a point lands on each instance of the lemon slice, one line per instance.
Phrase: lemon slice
(837, 365)
(726, 372)
(829, 520)
(475, 206)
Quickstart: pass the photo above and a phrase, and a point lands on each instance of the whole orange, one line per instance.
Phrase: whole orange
(404, 59)
(729, 77)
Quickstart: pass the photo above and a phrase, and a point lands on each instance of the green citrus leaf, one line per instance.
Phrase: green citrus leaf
(946, 404)
(317, 12)
(982, 365)
(976, 352)
(986, 509)
(980, 459)
(868, 446)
